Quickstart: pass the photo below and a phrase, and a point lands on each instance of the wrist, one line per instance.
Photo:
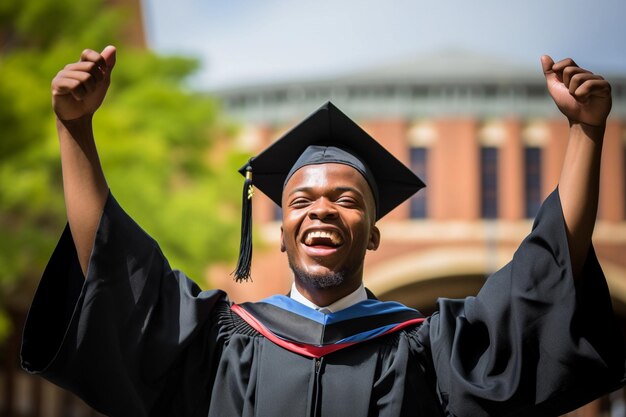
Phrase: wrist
(79, 129)
(594, 132)
(79, 121)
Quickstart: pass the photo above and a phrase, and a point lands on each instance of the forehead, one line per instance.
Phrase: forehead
(326, 175)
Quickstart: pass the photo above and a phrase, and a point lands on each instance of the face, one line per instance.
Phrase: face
(328, 224)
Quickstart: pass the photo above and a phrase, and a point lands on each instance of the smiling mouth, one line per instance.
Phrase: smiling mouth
(323, 238)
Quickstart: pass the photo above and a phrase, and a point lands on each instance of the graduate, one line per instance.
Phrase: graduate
(114, 323)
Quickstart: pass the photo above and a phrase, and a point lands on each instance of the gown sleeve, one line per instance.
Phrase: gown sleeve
(123, 337)
(532, 342)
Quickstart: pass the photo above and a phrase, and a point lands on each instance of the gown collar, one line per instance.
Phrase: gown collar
(349, 300)
(309, 332)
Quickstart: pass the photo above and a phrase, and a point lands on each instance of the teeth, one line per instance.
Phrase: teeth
(323, 234)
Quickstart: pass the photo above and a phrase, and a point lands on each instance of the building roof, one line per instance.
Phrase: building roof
(449, 65)
(445, 66)
(446, 82)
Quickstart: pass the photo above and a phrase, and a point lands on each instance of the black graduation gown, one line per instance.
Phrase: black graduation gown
(137, 338)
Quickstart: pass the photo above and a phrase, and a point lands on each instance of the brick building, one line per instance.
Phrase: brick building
(489, 142)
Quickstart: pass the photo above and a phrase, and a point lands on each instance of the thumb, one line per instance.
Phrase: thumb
(108, 54)
(546, 64)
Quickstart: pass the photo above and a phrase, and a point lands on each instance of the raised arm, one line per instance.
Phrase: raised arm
(77, 92)
(585, 99)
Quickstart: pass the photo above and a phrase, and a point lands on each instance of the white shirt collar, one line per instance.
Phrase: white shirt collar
(354, 297)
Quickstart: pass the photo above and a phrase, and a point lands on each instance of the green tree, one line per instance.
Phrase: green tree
(155, 136)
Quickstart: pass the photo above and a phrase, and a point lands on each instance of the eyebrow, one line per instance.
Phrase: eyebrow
(336, 189)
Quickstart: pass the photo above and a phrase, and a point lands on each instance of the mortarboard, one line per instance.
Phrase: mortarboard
(326, 136)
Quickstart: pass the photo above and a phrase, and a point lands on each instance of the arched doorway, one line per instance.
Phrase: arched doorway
(422, 295)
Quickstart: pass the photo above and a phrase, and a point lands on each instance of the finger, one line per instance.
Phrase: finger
(92, 56)
(109, 55)
(570, 72)
(96, 72)
(89, 55)
(546, 64)
(578, 79)
(85, 78)
(551, 77)
(75, 75)
(84, 56)
(567, 62)
(63, 86)
(595, 88)
(561, 65)
(86, 66)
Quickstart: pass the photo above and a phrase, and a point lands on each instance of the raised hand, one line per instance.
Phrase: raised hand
(582, 96)
(79, 89)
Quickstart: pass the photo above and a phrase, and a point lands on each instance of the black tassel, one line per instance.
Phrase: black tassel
(242, 272)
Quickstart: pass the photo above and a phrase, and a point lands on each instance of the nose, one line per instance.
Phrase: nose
(322, 209)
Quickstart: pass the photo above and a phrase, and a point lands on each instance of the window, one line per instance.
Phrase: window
(532, 178)
(489, 182)
(418, 165)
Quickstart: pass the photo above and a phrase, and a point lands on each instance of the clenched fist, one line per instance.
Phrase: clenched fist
(582, 96)
(79, 89)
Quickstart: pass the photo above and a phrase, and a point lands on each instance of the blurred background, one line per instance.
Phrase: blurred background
(454, 89)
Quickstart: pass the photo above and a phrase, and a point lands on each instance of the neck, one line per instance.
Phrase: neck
(323, 297)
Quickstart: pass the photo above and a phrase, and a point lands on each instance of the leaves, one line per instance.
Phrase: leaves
(155, 138)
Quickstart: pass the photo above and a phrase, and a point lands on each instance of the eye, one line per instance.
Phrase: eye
(347, 201)
(299, 202)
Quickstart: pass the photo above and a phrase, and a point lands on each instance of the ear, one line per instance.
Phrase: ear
(374, 241)
(282, 240)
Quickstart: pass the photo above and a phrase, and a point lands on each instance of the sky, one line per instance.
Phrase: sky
(243, 42)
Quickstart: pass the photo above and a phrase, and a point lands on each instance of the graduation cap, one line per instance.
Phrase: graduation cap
(326, 136)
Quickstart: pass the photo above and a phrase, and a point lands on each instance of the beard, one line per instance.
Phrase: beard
(331, 280)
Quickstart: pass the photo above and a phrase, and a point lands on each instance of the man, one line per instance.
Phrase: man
(136, 338)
